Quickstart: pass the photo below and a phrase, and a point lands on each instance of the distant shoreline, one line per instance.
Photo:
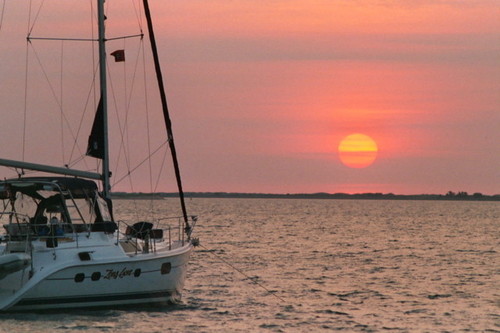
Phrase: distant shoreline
(450, 196)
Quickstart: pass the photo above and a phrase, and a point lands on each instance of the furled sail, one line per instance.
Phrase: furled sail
(95, 146)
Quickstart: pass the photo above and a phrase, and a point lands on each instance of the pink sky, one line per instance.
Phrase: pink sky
(261, 93)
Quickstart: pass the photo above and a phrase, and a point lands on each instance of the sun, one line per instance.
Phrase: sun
(357, 150)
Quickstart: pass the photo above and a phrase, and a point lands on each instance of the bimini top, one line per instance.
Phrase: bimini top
(79, 188)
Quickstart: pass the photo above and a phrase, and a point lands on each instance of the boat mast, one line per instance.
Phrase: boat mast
(168, 122)
(103, 87)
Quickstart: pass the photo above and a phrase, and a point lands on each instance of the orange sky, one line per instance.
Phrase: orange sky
(261, 93)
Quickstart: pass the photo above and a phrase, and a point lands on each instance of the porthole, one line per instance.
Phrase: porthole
(84, 256)
(165, 268)
(95, 276)
(137, 272)
(79, 277)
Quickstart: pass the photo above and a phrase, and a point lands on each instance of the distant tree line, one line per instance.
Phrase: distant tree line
(450, 195)
(465, 195)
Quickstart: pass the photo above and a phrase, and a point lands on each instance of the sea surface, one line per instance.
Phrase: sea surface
(291, 265)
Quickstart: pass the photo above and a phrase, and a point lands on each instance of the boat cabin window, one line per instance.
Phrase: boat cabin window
(81, 210)
(22, 205)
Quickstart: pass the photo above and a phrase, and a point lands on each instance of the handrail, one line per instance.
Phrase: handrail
(67, 232)
(149, 241)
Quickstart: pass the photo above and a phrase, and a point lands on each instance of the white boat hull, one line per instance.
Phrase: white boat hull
(61, 279)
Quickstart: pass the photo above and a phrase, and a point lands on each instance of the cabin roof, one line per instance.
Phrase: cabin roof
(79, 188)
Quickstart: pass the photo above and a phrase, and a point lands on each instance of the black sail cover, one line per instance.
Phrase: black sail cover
(95, 146)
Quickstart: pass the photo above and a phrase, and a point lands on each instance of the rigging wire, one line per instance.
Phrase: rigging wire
(127, 109)
(165, 152)
(26, 64)
(123, 121)
(131, 170)
(146, 107)
(253, 280)
(57, 100)
(31, 25)
(44, 72)
(93, 15)
(138, 13)
(125, 135)
(95, 63)
(122, 127)
(2, 14)
(29, 29)
(90, 94)
(61, 120)
(128, 100)
(160, 170)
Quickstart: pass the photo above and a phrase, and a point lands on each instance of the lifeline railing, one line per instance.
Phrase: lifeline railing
(146, 235)
(20, 230)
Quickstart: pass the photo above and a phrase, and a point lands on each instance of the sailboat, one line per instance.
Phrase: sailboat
(61, 246)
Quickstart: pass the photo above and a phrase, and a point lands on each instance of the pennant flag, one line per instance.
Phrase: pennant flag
(119, 55)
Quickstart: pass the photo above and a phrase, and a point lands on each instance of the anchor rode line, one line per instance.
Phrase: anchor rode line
(224, 261)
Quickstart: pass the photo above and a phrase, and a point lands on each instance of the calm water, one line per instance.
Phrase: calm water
(320, 265)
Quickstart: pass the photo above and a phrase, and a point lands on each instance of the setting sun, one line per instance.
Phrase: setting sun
(357, 150)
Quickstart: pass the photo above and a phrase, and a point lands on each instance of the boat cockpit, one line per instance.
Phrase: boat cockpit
(39, 206)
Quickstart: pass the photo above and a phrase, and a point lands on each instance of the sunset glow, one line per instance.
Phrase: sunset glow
(263, 94)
